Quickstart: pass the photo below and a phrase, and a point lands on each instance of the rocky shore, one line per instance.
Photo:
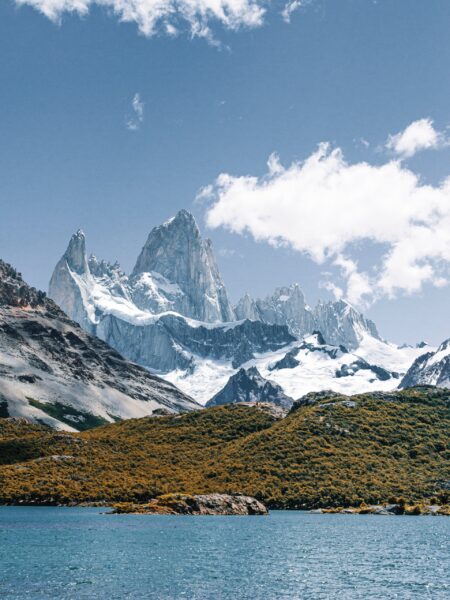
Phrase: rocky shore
(399, 508)
(202, 504)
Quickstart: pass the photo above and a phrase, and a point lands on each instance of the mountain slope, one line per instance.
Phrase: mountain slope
(432, 368)
(331, 450)
(52, 371)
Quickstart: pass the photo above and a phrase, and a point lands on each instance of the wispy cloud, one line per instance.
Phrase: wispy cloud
(137, 117)
(325, 207)
(164, 16)
(290, 7)
(419, 135)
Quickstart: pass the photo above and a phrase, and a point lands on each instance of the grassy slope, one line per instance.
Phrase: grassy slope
(317, 456)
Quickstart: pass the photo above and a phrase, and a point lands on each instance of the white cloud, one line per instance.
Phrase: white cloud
(134, 122)
(324, 207)
(289, 8)
(419, 135)
(168, 16)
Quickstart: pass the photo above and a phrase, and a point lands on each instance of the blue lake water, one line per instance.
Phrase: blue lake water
(77, 553)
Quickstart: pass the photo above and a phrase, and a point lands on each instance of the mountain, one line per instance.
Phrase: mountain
(331, 450)
(172, 316)
(177, 259)
(432, 368)
(247, 385)
(54, 372)
(339, 322)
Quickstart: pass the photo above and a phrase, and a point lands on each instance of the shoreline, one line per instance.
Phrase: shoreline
(374, 510)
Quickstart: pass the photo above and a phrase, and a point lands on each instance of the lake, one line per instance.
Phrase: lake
(77, 553)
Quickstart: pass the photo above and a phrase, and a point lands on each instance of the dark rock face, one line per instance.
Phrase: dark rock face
(360, 364)
(201, 504)
(247, 385)
(432, 368)
(313, 343)
(49, 363)
(15, 292)
(171, 340)
(287, 362)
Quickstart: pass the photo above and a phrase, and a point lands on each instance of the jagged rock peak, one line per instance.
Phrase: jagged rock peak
(248, 385)
(75, 255)
(181, 229)
(246, 308)
(177, 251)
(431, 368)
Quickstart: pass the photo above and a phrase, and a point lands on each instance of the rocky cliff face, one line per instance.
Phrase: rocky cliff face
(247, 385)
(339, 322)
(177, 252)
(432, 368)
(53, 371)
(64, 287)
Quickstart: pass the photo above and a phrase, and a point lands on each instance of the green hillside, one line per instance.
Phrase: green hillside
(330, 452)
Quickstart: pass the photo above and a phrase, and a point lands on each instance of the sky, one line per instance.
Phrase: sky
(309, 139)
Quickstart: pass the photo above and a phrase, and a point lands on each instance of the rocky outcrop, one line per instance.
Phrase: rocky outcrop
(432, 368)
(201, 504)
(349, 370)
(53, 371)
(247, 385)
(312, 343)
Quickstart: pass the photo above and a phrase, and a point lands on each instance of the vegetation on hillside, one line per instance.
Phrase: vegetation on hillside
(328, 452)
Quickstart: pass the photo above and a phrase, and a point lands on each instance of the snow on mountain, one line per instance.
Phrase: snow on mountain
(308, 365)
(172, 316)
(52, 371)
(432, 368)
(339, 321)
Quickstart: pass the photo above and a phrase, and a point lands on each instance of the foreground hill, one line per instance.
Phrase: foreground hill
(330, 450)
(53, 372)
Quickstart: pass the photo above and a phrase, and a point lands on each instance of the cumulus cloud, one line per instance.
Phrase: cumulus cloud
(137, 117)
(419, 135)
(325, 207)
(163, 16)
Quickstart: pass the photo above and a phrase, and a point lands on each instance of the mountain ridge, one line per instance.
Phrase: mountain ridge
(153, 317)
(53, 371)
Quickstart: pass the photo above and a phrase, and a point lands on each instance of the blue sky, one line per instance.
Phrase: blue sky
(75, 152)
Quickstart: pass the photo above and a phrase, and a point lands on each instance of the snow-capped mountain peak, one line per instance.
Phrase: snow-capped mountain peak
(177, 252)
(431, 368)
(172, 315)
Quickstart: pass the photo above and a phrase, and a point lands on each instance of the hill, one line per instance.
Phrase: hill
(330, 450)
